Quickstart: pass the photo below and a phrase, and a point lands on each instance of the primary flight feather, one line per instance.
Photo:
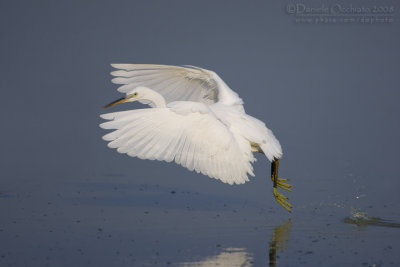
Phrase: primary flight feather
(196, 120)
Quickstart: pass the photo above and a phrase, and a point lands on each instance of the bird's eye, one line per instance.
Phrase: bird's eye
(134, 94)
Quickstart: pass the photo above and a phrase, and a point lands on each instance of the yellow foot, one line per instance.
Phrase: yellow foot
(281, 184)
(281, 199)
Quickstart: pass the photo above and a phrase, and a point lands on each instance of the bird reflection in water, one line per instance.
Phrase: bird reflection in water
(231, 257)
(278, 241)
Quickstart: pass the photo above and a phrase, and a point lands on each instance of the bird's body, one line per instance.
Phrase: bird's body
(195, 120)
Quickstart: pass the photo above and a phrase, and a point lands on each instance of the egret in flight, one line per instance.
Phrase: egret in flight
(195, 119)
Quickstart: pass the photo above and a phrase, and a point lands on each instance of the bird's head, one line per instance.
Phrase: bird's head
(135, 94)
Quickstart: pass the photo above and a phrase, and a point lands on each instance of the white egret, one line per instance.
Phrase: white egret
(195, 119)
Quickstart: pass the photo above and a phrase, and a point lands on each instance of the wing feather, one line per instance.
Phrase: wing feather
(191, 79)
(195, 140)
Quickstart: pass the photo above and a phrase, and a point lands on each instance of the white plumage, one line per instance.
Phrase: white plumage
(196, 120)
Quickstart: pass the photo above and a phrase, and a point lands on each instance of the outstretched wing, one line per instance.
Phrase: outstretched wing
(195, 139)
(172, 82)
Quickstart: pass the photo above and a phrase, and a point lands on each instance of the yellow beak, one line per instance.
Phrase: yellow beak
(118, 101)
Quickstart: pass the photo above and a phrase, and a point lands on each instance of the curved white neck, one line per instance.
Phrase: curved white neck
(157, 100)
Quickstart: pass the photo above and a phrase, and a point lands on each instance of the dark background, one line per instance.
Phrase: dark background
(329, 91)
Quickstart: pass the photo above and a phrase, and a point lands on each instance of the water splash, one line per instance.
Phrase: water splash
(362, 219)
